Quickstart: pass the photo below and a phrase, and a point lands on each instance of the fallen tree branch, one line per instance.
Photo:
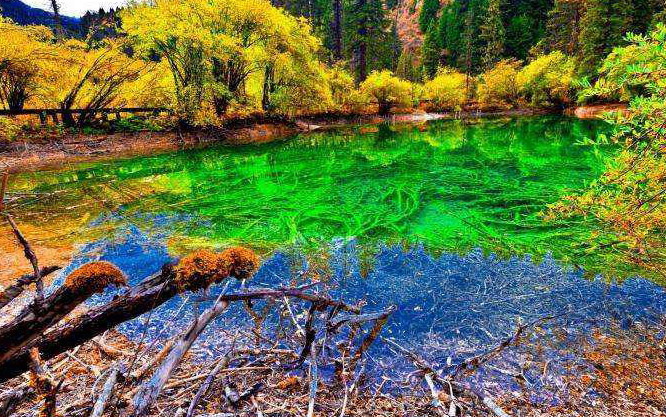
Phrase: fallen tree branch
(150, 294)
(150, 390)
(11, 292)
(30, 255)
(107, 391)
(35, 318)
(428, 369)
(203, 389)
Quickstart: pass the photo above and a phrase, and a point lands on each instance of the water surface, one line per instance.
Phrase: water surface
(449, 185)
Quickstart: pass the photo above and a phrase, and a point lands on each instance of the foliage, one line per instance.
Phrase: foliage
(387, 90)
(9, 129)
(548, 80)
(492, 32)
(428, 14)
(627, 202)
(215, 48)
(498, 87)
(24, 50)
(431, 53)
(447, 91)
(89, 78)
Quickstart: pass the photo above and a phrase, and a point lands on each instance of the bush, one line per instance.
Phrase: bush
(548, 80)
(387, 90)
(447, 91)
(9, 129)
(498, 87)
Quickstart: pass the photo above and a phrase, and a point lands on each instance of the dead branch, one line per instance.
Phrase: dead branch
(107, 392)
(44, 384)
(35, 318)
(428, 369)
(203, 389)
(30, 255)
(150, 390)
(10, 293)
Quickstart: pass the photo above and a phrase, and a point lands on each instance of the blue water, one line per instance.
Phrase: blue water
(448, 306)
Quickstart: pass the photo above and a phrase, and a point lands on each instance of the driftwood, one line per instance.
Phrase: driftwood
(10, 400)
(107, 391)
(203, 389)
(152, 388)
(10, 293)
(150, 294)
(30, 255)
(430, 370)
(45, 386)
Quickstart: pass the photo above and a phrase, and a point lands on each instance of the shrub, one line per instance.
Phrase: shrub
(387, 90)
(447, 91)
(498, 87)
(9, 129)
(548, 80)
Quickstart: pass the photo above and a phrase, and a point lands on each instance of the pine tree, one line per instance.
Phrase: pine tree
(368, 37)
(563, 27)
(431, 51)
(492, 33)
(450, 30)
(603, 27)
(428, 14)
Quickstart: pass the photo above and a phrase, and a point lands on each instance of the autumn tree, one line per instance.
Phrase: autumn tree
(626, 206)
(23, 57)
(214, 47)
(492, 33)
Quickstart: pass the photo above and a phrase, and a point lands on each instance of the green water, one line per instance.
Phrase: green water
(450, 185)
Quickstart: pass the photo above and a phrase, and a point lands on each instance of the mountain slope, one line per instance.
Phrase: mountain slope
(23, 14)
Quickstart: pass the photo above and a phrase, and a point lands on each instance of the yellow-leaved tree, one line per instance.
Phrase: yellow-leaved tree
(90, 79)
(24, 54)
(215, 48)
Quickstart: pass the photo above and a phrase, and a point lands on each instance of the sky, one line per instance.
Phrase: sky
(75, 8)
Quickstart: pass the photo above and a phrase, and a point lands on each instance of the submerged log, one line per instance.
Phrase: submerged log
(35, 318)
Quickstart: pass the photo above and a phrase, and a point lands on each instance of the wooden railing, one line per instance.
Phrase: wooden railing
(104, 113)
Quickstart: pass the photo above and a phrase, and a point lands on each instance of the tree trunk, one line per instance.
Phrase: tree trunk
(60, 31)
(362, 44)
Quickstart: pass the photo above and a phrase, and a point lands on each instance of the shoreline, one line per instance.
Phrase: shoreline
(36, 154)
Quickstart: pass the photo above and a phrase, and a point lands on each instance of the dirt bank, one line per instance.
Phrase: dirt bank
(596, 111)
(40, 153)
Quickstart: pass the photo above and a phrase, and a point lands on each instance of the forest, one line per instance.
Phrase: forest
(333, 207)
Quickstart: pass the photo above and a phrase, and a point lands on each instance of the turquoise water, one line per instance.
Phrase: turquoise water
(449, 185)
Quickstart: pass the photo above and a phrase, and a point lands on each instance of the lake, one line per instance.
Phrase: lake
(441, 219)
(449, 185)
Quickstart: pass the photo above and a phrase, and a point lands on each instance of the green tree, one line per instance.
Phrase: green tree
(627, 205)
(492, 33)
(450, 33)
(428, 14)
(368, 37)
(603, 27)
(431, 52)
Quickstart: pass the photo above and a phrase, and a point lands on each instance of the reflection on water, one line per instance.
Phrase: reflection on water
(451, 185)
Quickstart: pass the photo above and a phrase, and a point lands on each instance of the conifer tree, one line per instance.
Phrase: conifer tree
(431, 51)
(492, 33)
(603, 27)
(428, 14)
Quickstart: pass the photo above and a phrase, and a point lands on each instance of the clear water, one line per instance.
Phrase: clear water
(420, 197)
(449, 185)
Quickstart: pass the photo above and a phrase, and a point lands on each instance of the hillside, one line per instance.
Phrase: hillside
(23, 14)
